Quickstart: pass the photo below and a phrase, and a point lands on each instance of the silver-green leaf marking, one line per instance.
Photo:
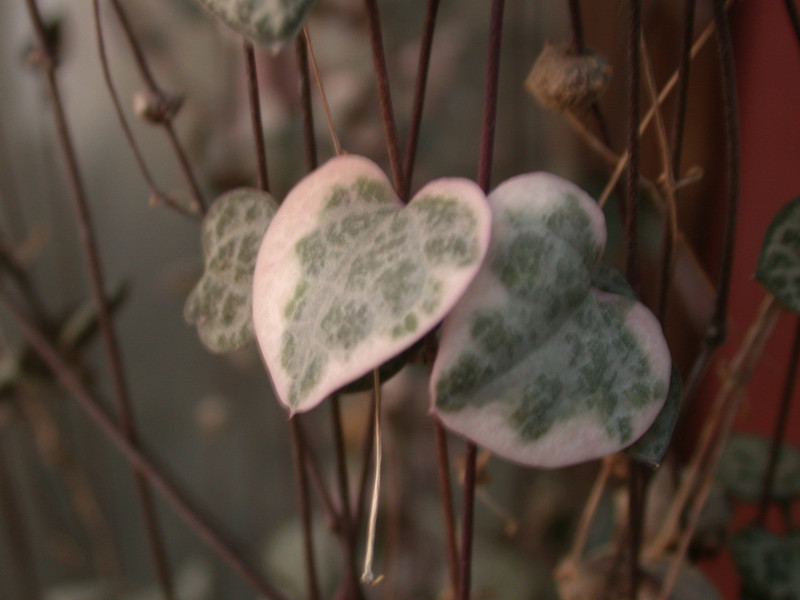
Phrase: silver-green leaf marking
(347, 277)
(534, 362)
(220, 304)
(779, 262)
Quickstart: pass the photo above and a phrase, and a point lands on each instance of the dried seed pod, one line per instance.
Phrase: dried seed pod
(561, 80)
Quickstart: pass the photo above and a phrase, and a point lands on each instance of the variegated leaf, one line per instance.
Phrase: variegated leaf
(220, 303)
(534, 363)
(779, 262)
(347, 277)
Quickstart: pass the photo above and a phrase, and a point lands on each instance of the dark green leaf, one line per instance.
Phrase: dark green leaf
(744, 462)
(779, 262)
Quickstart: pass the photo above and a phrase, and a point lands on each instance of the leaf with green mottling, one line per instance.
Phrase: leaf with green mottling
(347, 277)
(768, 564)
(220, 303)
(650, 448)
(779, 262)
(534, 362)
(743, 465)
(268, 22)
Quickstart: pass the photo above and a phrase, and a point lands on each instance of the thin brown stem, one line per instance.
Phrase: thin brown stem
(443, 464)
(683, 86)
(419, 90)
(155, 192)
(718, 328)
(670, 240)
(301, 476)
(337, 146)
(385, 98)
(578, 41)
(352, 584)
(332, 510)
(699, 43)
(781, 422)
(484, 181)
(570, 565)
(632, 187)
(106, 326)
(255, 113)
(199, 523)
(19, 546)
(162, 99)
(467, 526)
(309, 139)
(740, 371)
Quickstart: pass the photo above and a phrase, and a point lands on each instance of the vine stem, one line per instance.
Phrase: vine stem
(351, 582)
(301, 476)
(443, 465)
(19, 545)
(779, 433)
(569, 568)
(419, 90)
(161, 98)
(385, 98)
(255, 113)
(698, 45)
(200, 524)
(156, 194)
(367, 576)
(683, 86)
(106, 326)
(337, 146)
(670, 240)
(484, 181)
(726, 402)
(636, 482)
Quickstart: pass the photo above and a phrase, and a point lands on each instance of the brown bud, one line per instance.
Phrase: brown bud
(561, 80)
(155, 108)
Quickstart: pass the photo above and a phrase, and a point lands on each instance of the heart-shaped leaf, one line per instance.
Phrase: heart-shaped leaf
(779, 262)
(650, 448)
(534, 363)
(769, 564)
(268, 22)
(347, 277)
(743, 465)
(220, 303)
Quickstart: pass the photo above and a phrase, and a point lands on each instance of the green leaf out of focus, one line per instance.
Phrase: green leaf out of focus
(779, 261)
(220, 305)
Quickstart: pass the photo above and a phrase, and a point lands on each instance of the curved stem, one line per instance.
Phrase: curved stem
(106, 326)
(156, 92)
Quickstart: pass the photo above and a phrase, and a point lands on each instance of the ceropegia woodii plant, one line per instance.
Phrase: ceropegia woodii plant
(779, 261)
(535, 363)
(220, 303)
(268, 22)
(347, 277)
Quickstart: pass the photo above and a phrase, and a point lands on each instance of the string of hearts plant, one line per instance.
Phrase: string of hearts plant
(537, 352)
